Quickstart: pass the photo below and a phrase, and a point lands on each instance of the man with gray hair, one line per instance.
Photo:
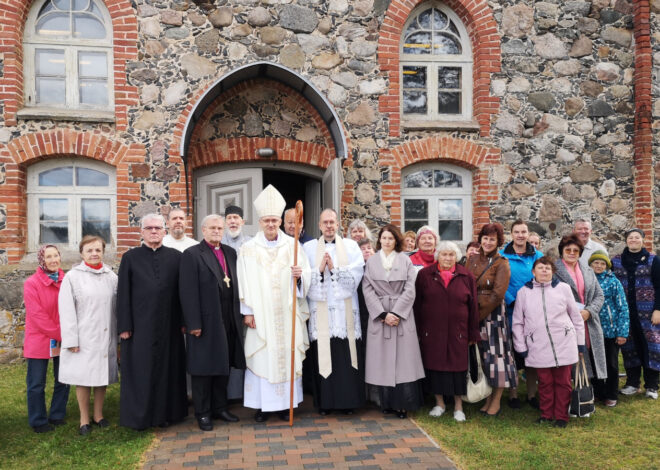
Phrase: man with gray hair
(176, 227)
(234, 236)
(153, 381)
(582, 228)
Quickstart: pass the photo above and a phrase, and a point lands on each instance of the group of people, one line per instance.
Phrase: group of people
(388, 320)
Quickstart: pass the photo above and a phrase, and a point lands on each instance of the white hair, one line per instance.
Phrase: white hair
(211, 217)
(152, 216)
(445, 245)
(357, 223)
(583, 220)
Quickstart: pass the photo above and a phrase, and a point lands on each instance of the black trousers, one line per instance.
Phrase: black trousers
(608, 389)
(209, 394)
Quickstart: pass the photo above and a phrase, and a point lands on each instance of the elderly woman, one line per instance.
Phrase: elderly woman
(548, 332)
(393, 362)
(357, 230)
(427, 239)
(589, 297)
(639, 272)
(89, 330)
(447, 316)
(492, 274)
(409, 241)
(42, 338)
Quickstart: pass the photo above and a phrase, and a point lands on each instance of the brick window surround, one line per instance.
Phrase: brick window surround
(477, 17)
(13, 14)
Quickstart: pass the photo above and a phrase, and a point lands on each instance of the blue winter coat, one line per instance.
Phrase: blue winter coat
(614, 316)
(521, 269)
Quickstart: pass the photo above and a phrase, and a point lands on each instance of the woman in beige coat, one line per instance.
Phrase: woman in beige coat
(393, 362)
(88, 322)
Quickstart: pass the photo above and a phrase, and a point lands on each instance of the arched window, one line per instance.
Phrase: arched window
(68, 56)
(440, 196)
(436, 66)
(68, 199)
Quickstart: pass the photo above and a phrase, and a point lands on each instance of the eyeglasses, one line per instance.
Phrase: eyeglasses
(571, 250)
(151, 229)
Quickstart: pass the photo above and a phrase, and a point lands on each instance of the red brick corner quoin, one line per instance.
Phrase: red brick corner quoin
(477, 158)
(30, 148)
(478, 19)
(14, 13)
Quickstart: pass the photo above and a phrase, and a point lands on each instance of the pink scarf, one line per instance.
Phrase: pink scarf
(446, 274)
(578, 279)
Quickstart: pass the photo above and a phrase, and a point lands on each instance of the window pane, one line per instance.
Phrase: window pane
(439, 20)
(450, 229)
(414, 77)
(50, 90)
(424, 19)
(53, 221)
(49, 62)
(418, 43)
(416, 209)
(55, 24)
(414, 102)
(94, 92)
(445, 44)
(80, 5)
(88, 177)
(92, 64)
(96, 218)
(449, 77)
(63, 4)
(450, 209)
(449, 103)
(62, 176)
(414, 225)
(87, 27)
(419, 179)
(447, 179)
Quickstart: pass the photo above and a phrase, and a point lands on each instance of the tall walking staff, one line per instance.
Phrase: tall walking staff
(299, 218)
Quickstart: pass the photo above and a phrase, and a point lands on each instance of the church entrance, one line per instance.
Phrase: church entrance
(240, 183)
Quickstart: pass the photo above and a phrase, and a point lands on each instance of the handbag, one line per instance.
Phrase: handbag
(582, 396)
(477, 389)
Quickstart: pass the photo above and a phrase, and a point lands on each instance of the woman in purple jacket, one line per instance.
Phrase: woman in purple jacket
(548, 331)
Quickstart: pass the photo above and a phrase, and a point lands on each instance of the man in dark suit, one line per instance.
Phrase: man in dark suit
(211, 311)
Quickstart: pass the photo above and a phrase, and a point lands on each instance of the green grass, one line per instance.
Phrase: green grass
(21, 448)
(623, 437)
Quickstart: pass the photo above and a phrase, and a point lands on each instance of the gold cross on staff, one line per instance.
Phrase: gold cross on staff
(226, 280)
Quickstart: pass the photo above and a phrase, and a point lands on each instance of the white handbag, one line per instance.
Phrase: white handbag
(477, 391)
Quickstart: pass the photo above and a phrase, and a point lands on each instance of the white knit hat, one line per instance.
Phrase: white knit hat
(269, 203)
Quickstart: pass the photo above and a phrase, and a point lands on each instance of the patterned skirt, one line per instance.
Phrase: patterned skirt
(497, 351)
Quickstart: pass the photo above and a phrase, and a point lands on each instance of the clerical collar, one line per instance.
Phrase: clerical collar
(329, 242)
(213, 247)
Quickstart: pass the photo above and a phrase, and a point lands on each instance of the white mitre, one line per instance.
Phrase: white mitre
(269, 203)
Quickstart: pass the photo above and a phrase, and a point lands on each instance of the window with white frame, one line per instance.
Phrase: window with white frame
(68, 55)
(68, 199)
(436, 66)
(440, 196)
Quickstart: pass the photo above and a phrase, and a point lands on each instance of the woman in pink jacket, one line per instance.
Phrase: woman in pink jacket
(42, 326)
(548, 331)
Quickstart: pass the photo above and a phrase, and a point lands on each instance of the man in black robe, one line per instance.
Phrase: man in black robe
(153, 380)
(211, 309)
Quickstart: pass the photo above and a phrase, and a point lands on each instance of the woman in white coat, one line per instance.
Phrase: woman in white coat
(89, 330)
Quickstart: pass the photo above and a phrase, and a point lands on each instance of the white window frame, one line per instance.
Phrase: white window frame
(432, 62)
(74, 195)
(71, 47)
(433, 195)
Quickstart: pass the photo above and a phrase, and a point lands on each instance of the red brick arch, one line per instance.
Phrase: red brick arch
(23, 151)
(478, 19)
(14, 13)
(477, 158)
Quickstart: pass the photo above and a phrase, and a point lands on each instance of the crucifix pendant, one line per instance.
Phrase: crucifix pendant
(226, 280)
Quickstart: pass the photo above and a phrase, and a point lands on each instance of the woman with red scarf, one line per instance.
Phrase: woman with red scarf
(427, 239)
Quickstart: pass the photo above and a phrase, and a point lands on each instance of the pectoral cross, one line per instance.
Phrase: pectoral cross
(226, 280)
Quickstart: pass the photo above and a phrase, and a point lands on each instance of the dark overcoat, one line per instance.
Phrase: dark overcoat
(447, 318)
(200, 281)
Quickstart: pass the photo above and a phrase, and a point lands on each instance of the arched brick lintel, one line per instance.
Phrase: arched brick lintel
(13, 15)
(482, 28)
(477, 158)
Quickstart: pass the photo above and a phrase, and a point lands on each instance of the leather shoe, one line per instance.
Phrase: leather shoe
(284, 415)
(205, 423)
(43, 428)
(324, 412)
(226, 416)
(85, 429)
(260, 416)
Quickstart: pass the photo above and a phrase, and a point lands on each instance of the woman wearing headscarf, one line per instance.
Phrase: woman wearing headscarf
(639, 273)
(426, 241)
(492, 274)
(89, 330)
(393, 363)
(42, 338)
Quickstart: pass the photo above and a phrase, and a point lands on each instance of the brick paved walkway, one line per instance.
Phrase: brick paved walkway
(365, 440)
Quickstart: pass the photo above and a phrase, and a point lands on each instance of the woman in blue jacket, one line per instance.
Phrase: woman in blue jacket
(614, 320)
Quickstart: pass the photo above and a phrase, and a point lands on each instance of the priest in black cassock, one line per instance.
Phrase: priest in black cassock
(214, 325)
(149, 319)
